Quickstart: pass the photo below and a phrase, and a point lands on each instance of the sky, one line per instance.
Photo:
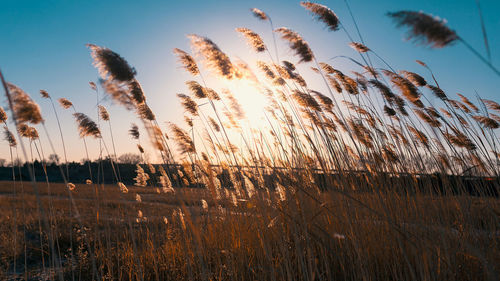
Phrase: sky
(42, 46)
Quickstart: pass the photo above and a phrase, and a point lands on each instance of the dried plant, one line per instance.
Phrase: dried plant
(214, 58)
(3, 115)
(253, 39)
(306, 100)
(44, 94)
(111, 65)
(25, 109)
(187, 62)
(259, 14)
(361, 48)
(86, 126)
(188, 104)
(297, 44)
(145, 112)
(103, 113)
(425, 29)
(323, 14)
(183, 140)
(9, 137)
(65, 103)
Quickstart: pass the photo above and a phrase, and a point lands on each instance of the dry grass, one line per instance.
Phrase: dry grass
(428, 236)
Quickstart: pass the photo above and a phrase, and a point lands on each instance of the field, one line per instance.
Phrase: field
(433, 237)
(368, 174)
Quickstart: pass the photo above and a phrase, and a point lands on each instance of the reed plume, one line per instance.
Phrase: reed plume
(188, 104)
(416, 79)
(259, 14)
(466, 101)
(361, 48)
(419, 135)
(44, 94)
(3, 115)
(438, 92)
(183, 140)
(406, 88)
(145, 112)
(389, 111)
(187, 61)
(214, 124)
(234, 105)
(86, 126)
(110, 64)
(266, 69)
(324, 14)
(492, 105)
(118, 93)
(326, 102)
(196, 89)
(306, 100)
(134, 131)
(103, 113)
(296, 43)
(65, 103)
(253, 39)
(214, 58)
(486, 122)
(25, 109)
(27, 131)
(136, 92)
(424, 29)
(9, 137)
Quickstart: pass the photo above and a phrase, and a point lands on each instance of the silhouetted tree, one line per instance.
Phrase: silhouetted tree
(129, 158)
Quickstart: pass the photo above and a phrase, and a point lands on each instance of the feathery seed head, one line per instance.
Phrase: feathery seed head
(185, 143)
(188, 104)
(187, 61)
(9, 137)
(324, 14)
(3, 115)
(424, 29)
(86, 126)
(103, 113)
(359, 47)
(259, 14)
(306, 100)
(134, 131)
(416, 79)
(253, 39)
(196, 89)
(214, 58)
(110, 64)
(25, 109)
(44, 94)
(65, 103)
(145, 112)
(296, 43)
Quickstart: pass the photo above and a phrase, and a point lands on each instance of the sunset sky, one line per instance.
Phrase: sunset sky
(42, 46)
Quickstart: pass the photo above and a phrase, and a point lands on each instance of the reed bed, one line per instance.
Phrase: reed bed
(366, 180)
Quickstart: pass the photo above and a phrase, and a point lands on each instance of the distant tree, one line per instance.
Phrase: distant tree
(18, 162)
(53, 158)
(129, 158)
(2, 162)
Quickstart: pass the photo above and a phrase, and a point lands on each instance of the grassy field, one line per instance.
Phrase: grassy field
(426, 237)
(383, 176)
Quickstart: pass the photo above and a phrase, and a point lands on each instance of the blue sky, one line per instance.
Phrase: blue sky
(43, 46)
